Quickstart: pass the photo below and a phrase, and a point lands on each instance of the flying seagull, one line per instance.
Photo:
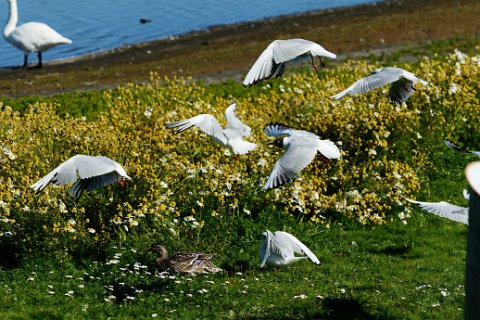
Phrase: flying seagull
(300, 147)
(445, 209)
(272, 60)
(231, 136)
(31, 36)
(401, 88)
(87, 172)
(279, 249)
(456, 147)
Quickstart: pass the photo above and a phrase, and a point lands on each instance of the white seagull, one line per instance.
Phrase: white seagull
(300, 149)
(401, 88)
(279, 249)
(31, 36)
(272, 60)
(231, 136)
(87, 172)
(456, 147)
(445, 209)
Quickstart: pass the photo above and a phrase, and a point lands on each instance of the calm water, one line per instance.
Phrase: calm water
(95, 25)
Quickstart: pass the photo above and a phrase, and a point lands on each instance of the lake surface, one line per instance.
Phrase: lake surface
(95, 25)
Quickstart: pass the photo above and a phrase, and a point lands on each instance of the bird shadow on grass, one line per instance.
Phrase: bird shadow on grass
(331, 309)
(342, 308)
(235, 266)
(398, 251)
(10, 257)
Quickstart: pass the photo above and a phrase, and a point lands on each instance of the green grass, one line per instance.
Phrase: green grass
(394, 271)
(391, 271)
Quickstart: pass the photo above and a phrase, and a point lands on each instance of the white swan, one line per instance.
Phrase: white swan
(87, 172)
(272, 60)
(231, 136)
(301, 147)
(402, 82)
(279, 249)
(31, 36)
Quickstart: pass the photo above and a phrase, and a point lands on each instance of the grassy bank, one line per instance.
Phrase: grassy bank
(224, 51)
(63, 259)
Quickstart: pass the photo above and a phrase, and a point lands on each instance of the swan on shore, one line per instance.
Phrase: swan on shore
(31, 36)
(272, 60)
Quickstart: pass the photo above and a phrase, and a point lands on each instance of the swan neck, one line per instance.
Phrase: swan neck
(12, 19)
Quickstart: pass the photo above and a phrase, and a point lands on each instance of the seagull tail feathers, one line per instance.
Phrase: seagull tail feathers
(242, 146)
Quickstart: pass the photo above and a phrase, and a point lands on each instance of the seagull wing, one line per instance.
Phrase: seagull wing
(264, 251)
(285, 50)
(205, 122)
(272, 60)
(240, 146)
(234, 123)
(286, 240)
(293, 160)
(263, 68)
(89, 167)
(444, 210)
(400, 90)
(328, 149)
(89, 184)
(95, 172)
(456, 147)
(87, 172)
(65, 173)
(275, 130)
(375, 80)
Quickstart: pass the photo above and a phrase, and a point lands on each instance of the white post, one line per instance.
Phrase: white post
(472, 270)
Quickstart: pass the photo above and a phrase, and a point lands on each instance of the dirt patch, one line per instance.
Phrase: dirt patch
(232, 49)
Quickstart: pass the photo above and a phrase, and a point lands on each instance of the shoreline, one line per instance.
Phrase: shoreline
(233, 48)
(193, 33)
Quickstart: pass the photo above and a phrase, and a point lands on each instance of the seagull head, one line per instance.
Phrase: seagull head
(263, 235)
(279, 142)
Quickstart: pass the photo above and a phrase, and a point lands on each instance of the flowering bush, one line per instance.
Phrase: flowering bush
(180, 181)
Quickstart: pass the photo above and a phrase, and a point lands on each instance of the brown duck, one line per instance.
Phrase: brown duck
(184, 262)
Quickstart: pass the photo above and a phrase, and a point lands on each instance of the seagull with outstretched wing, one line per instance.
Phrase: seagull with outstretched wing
(278, 249)
(456, 147)
(445, 209)
(300, 147)
(231, 136)
(86, 172)
(272, 60)
(401, 88)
